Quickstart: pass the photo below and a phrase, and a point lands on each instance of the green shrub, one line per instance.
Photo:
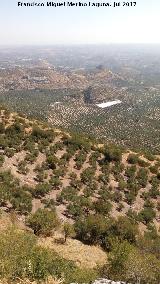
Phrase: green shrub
(22, 167)
(153, 169)
(142, 177)
(1, 160)
(102, 207)
(9, 152)
(68, 230)
(51, 162)
(40, 134)
(125, 229)
(147, 215)
(143, 163)
(82, 275)
(2, 128)
(91, 229)
(130, 171)
(21, 201)
(43, 222)
(149, 156)
(15, 253)
(113, 154)
(132, 159)
(87, 175)
(41, 190)
(20, 257)
(129, 264)
(122, 184)
(4, 194)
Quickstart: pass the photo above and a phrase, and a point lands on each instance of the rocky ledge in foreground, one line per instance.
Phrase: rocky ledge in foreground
(106, 281)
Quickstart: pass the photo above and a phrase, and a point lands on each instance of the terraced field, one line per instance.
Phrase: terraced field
(134, 123)
(75, 206)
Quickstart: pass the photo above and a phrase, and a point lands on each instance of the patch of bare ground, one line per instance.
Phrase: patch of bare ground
(65, 181)
(142, 228)
(139, 203)
(84, 166)
(60, 153)
(99, 146)
(98, 170)
(7, 220)
(12, 164)
(83, 255)
(115, 213)
(112, 182)
(36, 204)
(71, 164)
(125, 157)
(61, 212)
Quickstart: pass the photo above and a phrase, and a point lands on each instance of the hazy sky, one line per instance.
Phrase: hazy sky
(67, 25)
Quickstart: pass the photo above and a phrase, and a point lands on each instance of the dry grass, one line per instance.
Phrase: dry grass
(5, 221)
(50, 280)
(82, 255)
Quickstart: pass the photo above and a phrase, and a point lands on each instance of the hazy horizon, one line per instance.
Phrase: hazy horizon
(78, 44)
(32, 26)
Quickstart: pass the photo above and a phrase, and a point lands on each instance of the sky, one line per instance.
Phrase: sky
(79, 25)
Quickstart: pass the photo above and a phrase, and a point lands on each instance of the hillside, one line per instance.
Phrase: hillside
(52, 93)
(81, 200)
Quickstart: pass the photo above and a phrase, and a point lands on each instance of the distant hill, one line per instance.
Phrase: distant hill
(68, 98)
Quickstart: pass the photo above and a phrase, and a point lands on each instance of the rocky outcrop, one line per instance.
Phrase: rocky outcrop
(106, 281)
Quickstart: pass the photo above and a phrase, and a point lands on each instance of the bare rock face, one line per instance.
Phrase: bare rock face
(106, 281)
